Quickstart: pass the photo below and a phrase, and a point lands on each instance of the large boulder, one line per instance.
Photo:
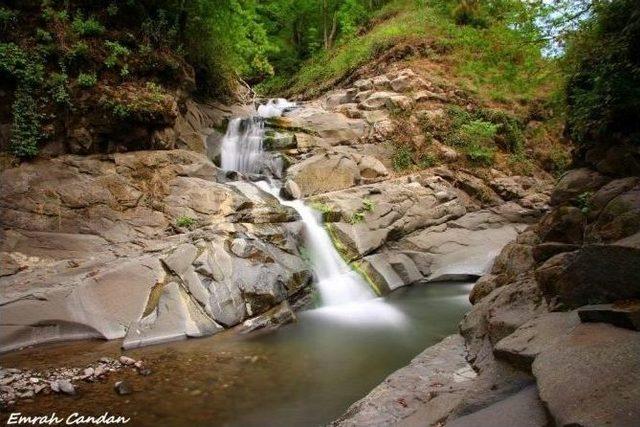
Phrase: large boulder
(593, 274)
(577, 182)
(421, 393)
(590, 377)
(324, 172)
(329, 128)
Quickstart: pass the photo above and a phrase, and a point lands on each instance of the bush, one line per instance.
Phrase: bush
(90, 27)
(58, 88)
(86, 80)
(468, 12)
(25, 127)
(402, 158)
(117, 52)
(185, 221)
(477, 132)
(8, 19)
(479, 154)
(603, 69)
(79, 50)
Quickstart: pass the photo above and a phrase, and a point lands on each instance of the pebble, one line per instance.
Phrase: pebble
(127, 361)
(88, 372)
(63, 386)
(122, 388)
(145, 372)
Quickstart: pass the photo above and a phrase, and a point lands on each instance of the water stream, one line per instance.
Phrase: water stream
(338, 284)
(304, 374)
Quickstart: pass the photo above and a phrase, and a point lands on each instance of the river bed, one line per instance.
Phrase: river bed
(304, 374)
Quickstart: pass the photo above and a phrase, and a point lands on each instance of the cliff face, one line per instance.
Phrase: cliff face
(552, 337)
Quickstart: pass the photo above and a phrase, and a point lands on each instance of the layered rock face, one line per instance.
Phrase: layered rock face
(553, 334)
(443, 223)
(149, 246)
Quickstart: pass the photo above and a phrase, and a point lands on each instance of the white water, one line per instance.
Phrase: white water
(242, 143)
(345, 295)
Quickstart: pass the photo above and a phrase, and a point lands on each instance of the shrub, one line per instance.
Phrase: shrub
(185, 221)
(86, 28)
(8, 19)
(25, 127)
(402, 158)
(477, 132)
(427, 160)
(603, 69)
(58, 88)
(468, 12)
(43, 36)
(480, 154)
(560, 160)
(117, 52)
(86, 80)
(584, 201)
(80, 50)
(509, 129)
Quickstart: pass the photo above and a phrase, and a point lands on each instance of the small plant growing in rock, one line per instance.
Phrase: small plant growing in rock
(356, 217)
(402, 158)
(320, 207)
(584, 202)
(86, 80)
(185, 221)
(368, 205)
(427, 160)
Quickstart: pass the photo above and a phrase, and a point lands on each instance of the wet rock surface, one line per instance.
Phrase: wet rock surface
(147, 245)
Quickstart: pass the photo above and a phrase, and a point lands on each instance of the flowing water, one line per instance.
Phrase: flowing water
(304, 374)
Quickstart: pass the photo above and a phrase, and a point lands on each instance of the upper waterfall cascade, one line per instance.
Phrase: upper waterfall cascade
(242, 151)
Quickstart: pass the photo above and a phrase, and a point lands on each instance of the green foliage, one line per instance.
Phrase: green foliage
(402, 158)
(508, 128)
(8, 19)
(321, 207)
(583, 201)
(185, 221)
(90, 27)
(43, 36)
(477, 133)
(28, 74)
(368, 205)
(427, 160)
(87, 80)
(117, 53)
(58, 84)
(603, 69)
(112, 9)
(80, 50)
(468, 12)
(356, 217)
(560, 159)
(26, 127)
(479, 154)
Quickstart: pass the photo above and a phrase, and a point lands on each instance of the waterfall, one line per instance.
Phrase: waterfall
(242, 152)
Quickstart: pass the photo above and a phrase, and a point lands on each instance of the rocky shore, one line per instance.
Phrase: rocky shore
(552, 338)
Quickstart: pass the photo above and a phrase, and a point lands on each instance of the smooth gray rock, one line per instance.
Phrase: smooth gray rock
(525, 343)
(523, 409)
(590, 377)
(175, 317)
(426, 389)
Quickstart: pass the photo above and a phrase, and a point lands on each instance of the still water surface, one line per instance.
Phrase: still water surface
(304, 374)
